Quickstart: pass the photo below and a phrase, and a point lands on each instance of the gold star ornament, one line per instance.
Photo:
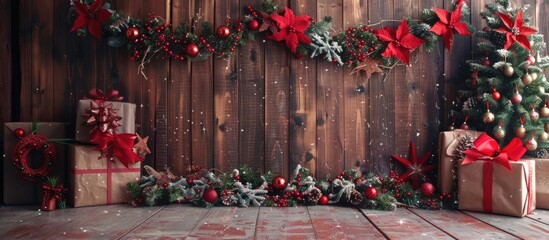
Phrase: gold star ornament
(369, 65)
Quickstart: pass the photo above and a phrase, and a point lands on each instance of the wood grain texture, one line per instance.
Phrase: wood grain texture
(524, 228)
(540, 215)
(332, 222)
(26, 55)
(274, 223)
(227, 223)
(5, 61)
(63, 104)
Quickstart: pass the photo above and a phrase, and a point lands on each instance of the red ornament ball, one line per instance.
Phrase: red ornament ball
(19, 133)
(132, 33)
(496, 95)
(531, 60)
(209, 196)
(192, 50)
(370, 193)
(427, 189)
(223, 32)
(279, 183)
(486, 62)
(323, 200)
(253, 25)
(516, 98)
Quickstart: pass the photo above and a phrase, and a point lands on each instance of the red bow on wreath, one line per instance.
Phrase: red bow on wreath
(486, 148)
(53, 192)
(401, 42)
(515, 31)
(119, 146)
(446, 25)
(92, 17)
(99, 97)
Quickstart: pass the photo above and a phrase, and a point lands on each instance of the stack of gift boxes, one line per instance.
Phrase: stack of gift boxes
(96, 167)
(489, 179)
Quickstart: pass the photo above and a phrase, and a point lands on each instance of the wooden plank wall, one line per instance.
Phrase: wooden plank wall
(263, 107)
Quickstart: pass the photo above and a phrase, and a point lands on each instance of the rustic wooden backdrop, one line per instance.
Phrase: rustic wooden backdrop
(263, 107)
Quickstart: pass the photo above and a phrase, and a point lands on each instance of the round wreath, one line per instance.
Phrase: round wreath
(21, 152)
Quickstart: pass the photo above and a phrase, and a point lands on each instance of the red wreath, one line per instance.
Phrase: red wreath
(21, 152)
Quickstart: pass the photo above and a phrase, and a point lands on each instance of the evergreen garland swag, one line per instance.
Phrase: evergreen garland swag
(146, 38)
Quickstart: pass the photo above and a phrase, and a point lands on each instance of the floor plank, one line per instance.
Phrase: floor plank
(228, 223)
(403, 224)
(460, 225)
(275, 223)
(540, 215)
(174, 221)
(525, 228)
(332, 222)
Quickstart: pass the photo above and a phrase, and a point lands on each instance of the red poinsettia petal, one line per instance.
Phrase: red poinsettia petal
(94, 27)
(279, 36)
(388, 53)
(386, 34)
(281, 21)
(411, 42)
(401, 53)
(448, 38)
(289, 15)
(462, 28)
(510, 40)
(301, 23)
(502, 30)
(443, 15)
(402, 30)
(303, 38)
(527, 31)
(80, 22)
(523, 40)
(292, 41)
(103, 15)
(456, 15)
(81, 9)
(439, 28)
(519, 20)
(506, 19)
(96, 5)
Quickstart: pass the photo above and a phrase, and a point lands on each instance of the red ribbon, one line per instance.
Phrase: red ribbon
(119, 146)
(99, 97)
(53, 192)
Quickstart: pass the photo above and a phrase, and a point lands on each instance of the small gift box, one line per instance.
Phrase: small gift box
(542, 181)
(16, 189)
(98, 181)
(490, 182)
(447, 171)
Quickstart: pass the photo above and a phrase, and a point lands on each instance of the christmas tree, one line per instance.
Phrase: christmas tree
(506, 95)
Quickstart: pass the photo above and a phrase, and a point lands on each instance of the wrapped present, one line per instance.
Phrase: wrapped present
(98, 181)
(447, 166)
(17, 190)
(495, 181)
(52, 192)
(542, 181)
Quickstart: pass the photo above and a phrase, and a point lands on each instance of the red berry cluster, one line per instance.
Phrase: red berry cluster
(356, 42)
(278, 201)
(252, 11)
(344, 176)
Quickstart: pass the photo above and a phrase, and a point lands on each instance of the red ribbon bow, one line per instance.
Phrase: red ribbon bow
(486, 148)
(53, 192)
(99, 97)
(119, 146)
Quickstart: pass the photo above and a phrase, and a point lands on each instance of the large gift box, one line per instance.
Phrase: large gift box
(17, 190)
(447, 171)
(124, 110)
(98, 181)
(495, 181)
(542, 181)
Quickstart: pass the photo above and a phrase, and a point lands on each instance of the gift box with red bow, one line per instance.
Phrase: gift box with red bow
(542, 181)
(497, 181)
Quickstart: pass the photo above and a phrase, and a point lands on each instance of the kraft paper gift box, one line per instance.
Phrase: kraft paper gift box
(17, 190)
(542, 181)
(95, 181)
(447, 172)
(486, 186)
(124, 110)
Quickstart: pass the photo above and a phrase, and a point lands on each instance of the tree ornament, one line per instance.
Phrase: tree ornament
(464, 126)
(19, 133)
(516, 98)
(534, 76)
(526, 79)
(209, 195)
(253, 25)
(520, 132)
(531, 60)
(496, 95)
(427, 189)
(132, 33)
(488, 117)
(415, 168)
(451, 127)
(279, 183)
(400, 42)
(531, 144)
(534, 116)
(486, 62)
(223, 32)
(515, 31)
(543, 136)
(544, 112)
(508, 70)
(323, 200)
(499, 133)
(370, 193)
(192, 50)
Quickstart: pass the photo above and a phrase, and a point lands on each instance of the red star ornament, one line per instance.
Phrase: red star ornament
(400, 43)
(92, 17)
(292, 29)
(515, 31)
(415, 169)
(447, 23)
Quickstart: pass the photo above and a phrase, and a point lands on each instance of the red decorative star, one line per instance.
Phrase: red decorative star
(515, 31)
(447, 24)
(292, 29)
(401, 42)
(415, 169)
(92, 17)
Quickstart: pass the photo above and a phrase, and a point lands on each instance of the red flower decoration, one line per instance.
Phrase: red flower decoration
(91, 17)
(515, 31)
(414, 168)
(401, 42)
(292, 29)
(447, 24)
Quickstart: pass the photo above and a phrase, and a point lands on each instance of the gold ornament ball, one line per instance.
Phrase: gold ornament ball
(526, 79)
(488, 117)
(534, 116)
(508, 71)
(534, 76)
(520, 132)
(544, 112)
(543, 136)
(499, 133)
(531, 144)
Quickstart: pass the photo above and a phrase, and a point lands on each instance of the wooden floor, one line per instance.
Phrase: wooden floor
(317, 222)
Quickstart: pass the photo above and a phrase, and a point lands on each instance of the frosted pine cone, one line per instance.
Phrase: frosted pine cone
(314, 195)
(356, 198)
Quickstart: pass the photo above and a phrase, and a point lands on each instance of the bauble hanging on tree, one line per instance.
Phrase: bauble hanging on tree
(534, 76)
(496, 95)
(544, 112)
(520, 132)
(534, 115)
(192, 50)
(516, 98)
(531, 144)
(531, 60)
(132, 33)
(499, 134)
(488, 117)
(486, 62)
(370, 193)
(543, 136)
(508, 70)
(279, 183)
(223, 32)
(427, 189)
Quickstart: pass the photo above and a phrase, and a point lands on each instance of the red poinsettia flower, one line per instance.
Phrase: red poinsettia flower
(415, 169)
(91, 17)
(292, 29)
(515, 31)
(401, 42)
(447, 24)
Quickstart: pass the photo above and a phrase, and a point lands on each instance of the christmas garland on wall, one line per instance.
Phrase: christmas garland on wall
(362, 47)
